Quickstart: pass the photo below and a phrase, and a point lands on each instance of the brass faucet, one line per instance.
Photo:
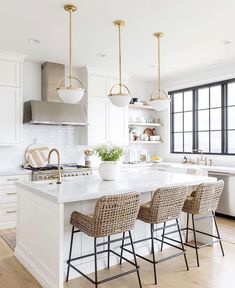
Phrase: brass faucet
(58, 163)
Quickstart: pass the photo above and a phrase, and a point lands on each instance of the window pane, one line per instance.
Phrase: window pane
(188, 121)
(203, 98)
(216, 119)
(203, 141)
(178, 142)
(215, 93)
(178, 122)
(188, 101)
(188, 142)
(231, 141)
(178, 102)
(231, 117)
(215, 142)
(231, 94)
(203, 120)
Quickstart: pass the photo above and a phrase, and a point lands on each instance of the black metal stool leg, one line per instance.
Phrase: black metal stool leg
(123, 236)
(182, 244)
(135, 260)
(70, 254)
(152, 248)
(163, 233)
(195, 240)
(108, 251)
(218, 234)
(186, 240)
(95, 256)
(152, 228)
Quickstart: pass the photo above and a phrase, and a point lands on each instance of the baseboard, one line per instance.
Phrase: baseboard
(224, 215)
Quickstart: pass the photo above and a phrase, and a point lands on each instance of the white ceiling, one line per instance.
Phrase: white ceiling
(193, 31)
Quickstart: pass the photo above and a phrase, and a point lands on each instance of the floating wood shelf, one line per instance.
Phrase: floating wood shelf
(146, 142)
(145, 124)
(144, 107)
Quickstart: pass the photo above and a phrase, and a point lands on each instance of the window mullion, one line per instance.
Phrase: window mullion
(195, 119)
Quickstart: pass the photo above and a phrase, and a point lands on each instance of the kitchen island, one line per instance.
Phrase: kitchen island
(44, 209)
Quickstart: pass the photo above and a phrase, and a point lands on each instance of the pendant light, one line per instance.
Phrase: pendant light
(122, 97)
(159, 98)
(71, 93)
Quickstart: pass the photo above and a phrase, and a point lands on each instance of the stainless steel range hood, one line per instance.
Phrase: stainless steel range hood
(51, 110)
(54, 113)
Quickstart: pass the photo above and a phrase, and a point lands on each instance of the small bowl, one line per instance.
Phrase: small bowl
(153, 138)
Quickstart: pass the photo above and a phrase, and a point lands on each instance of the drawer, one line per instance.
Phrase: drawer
(11, 179)
(7, 212)
(8, 193)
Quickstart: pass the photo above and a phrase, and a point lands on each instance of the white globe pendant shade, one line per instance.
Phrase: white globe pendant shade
(159, 104)
(159, 101)
(120, 99)
(71, 96)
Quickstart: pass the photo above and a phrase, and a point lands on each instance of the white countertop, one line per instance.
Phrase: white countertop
(225, 169)
(92, 187)
(14, 171)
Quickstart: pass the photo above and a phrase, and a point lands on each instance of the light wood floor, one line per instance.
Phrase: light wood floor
(215, 271)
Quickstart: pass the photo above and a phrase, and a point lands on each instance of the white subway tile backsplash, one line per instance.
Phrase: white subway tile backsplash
(61, 137)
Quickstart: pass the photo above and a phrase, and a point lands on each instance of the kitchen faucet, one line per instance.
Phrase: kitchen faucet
(200, 151)
(58, 163)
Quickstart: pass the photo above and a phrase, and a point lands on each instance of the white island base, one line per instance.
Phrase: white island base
(43, 224)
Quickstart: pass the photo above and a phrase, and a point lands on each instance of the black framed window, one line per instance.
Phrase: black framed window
(203, 117)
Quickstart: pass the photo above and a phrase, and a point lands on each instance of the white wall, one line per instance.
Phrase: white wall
(193, 78)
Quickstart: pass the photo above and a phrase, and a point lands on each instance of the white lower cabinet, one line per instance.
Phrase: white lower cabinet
(8, 199)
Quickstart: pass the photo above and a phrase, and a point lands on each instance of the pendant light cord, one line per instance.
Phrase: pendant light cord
(120, 58)
(70, 48)
(159, 68)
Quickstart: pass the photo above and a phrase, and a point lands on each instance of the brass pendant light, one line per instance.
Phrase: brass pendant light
(71, 93)
(120, 98)
(159, 98)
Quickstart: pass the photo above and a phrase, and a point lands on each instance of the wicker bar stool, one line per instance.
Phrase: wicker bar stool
(112, 215)
(202, 202)
(166, 205)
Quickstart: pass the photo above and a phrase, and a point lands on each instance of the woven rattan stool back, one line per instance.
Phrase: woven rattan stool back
(166, 204)
(205, 198)
(116, 214)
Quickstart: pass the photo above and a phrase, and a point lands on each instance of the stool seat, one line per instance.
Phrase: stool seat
(113, 214)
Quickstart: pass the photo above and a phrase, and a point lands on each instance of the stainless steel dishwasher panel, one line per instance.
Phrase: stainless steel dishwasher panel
(227, 200)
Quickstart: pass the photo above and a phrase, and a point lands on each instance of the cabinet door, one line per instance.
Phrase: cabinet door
(97, 120)
(117, 124)
(9, 73)
(118, 121)
(10, 115)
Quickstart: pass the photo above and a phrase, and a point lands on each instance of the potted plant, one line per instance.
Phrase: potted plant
(109, 154)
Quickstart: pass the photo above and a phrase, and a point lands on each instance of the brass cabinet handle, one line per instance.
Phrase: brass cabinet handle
(11, 212)
(11, 193)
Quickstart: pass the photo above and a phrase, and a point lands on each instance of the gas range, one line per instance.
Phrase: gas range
(49, 172)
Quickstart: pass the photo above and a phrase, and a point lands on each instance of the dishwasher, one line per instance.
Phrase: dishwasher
(227, 200)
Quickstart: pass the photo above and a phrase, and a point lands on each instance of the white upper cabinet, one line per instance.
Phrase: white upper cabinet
(9, 73)
(10, 99)
(107, 123)
(10, 115)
